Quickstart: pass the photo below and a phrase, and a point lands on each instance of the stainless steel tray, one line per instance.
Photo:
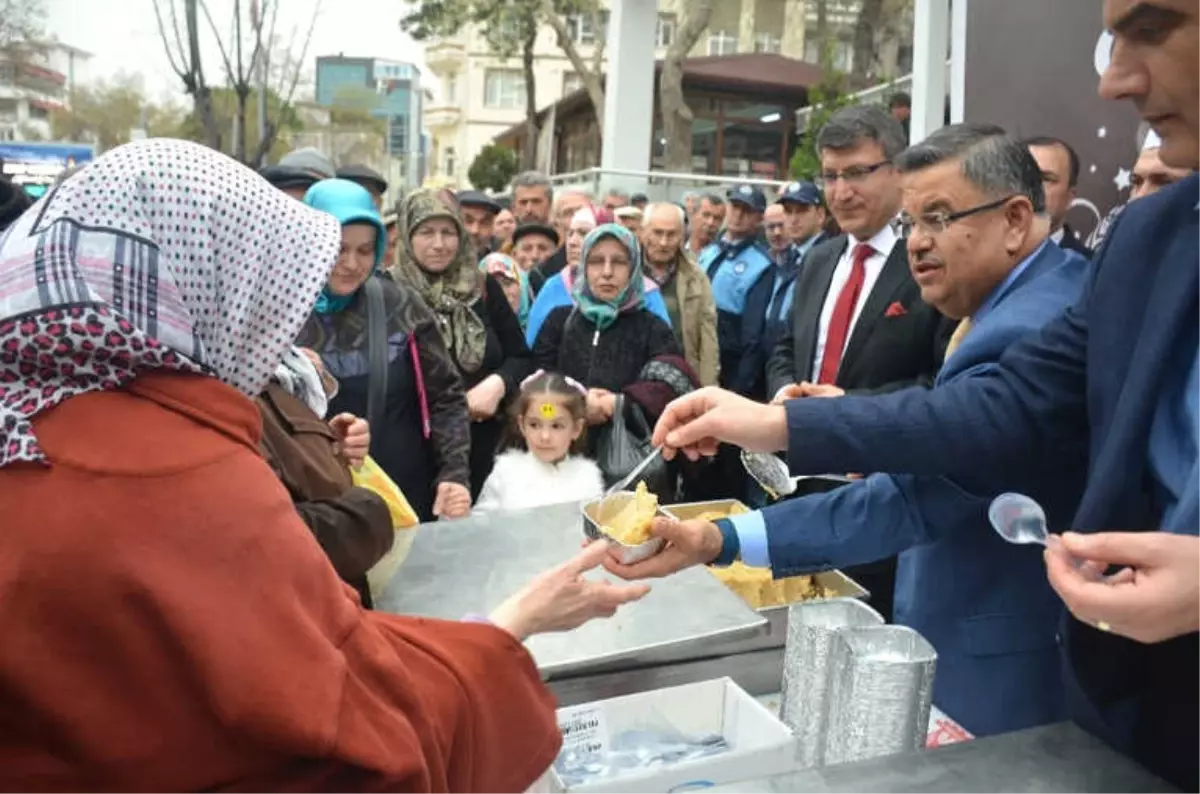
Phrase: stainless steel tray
(841, 585)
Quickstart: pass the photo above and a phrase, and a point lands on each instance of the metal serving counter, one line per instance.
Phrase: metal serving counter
(472, 565)
(1058, 757)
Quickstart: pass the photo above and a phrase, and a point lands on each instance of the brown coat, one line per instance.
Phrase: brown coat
(699, 312)
(204, 642)
(351, 524)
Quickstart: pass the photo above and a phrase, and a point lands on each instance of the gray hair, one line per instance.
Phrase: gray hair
(533, 179)
(992, 161)
(617, 192)
(663, 206)
(852, 125)
(712, 198)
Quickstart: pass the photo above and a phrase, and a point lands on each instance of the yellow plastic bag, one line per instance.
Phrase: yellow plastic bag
(374, 479)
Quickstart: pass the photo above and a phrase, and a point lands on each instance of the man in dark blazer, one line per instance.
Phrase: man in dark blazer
(858, 327)
(1118, 371)
(1060, 176)
(858, 322)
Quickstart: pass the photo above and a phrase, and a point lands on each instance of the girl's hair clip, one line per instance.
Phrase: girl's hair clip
(532, 378)
(574, 384)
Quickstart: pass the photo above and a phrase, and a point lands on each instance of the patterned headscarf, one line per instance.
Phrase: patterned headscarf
(450, 293)
(633, 297)
(503, 266)
(161, 254)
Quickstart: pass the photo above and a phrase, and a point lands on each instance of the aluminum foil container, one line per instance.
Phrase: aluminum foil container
(880, 692)
(594, 513)
(812, 627)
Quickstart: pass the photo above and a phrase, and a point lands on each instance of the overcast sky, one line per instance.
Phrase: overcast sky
(127, 39)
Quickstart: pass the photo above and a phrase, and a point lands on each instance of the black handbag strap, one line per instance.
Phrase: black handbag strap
(377, 353)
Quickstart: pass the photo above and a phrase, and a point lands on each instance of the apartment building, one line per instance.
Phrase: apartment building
(32, 88)
(478, 96)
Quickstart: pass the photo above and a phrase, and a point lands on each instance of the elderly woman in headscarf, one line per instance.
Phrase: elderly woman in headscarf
(477, 325)
(422, 436)
(169, 622)
(513, 280)
(608, 340)
(558, 289)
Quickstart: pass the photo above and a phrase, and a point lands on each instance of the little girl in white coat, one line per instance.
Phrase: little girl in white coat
(549, 417)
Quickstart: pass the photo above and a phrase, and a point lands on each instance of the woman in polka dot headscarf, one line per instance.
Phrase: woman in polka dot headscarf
(169, 622)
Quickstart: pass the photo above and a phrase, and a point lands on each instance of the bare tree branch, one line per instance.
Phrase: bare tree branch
(285, 97)
(178, 68)
(598, 24)
(220, 44)
(590, 76)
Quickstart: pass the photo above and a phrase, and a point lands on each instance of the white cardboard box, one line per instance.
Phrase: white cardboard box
(759, 744)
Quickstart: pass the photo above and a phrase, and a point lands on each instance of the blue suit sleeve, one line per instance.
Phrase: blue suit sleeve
(983, 430)
(865, 521)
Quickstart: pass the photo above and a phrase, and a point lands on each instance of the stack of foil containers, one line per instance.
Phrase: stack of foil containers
(854, 688)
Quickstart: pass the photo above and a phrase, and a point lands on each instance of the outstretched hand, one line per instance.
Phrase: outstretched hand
(561, 599)
(689, 543)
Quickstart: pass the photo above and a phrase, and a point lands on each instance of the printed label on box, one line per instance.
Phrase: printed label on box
(584, 729)
(944, 731)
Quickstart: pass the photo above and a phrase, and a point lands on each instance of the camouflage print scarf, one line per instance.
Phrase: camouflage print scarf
(450, 293)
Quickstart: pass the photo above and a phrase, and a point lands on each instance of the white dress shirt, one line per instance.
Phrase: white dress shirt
(882, 243)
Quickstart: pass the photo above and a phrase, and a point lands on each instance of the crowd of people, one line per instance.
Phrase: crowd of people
(196, 359)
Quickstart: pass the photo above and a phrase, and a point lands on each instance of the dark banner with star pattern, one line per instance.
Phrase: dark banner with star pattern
(1033, 67)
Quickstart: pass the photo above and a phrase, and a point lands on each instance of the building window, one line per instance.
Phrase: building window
(504, 88)
(449, 166)
(666, 30)
(582, 28)
(572, 82)
(722, 43)
(767, 42)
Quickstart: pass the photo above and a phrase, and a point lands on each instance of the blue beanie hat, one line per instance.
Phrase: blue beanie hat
(349, 202)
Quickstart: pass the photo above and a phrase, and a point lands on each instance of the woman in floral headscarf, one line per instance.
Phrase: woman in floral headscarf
(169, 622)
(608, 340)
(513, 280)
(559, 288)
(477, 325)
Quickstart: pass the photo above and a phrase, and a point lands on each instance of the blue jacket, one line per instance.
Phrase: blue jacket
(1096, 375)
(734, 271)
(554, 294)
(984, 604)
(768, 317)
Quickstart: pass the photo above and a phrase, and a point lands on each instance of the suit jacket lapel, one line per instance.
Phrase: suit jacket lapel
(892, 279)
(1171, 313)
(807, 305)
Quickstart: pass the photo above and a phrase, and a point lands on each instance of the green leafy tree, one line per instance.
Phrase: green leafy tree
(494, 168)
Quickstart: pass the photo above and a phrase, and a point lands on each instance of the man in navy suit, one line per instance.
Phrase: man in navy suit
(1119, 372)
(978, 245)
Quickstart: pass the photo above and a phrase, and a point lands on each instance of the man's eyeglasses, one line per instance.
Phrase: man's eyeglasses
(851, 175)
(938, 222)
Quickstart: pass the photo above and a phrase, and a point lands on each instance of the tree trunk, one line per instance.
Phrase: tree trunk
(529, 152)
(239, 141)
(201, 96)
(589, 74)
(676, 115)
(864, 38)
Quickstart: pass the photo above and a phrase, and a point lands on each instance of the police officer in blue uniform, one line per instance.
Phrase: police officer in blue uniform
(769, 302)
(735, 263)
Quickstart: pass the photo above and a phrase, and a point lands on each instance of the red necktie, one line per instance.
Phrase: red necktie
(843, 313)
